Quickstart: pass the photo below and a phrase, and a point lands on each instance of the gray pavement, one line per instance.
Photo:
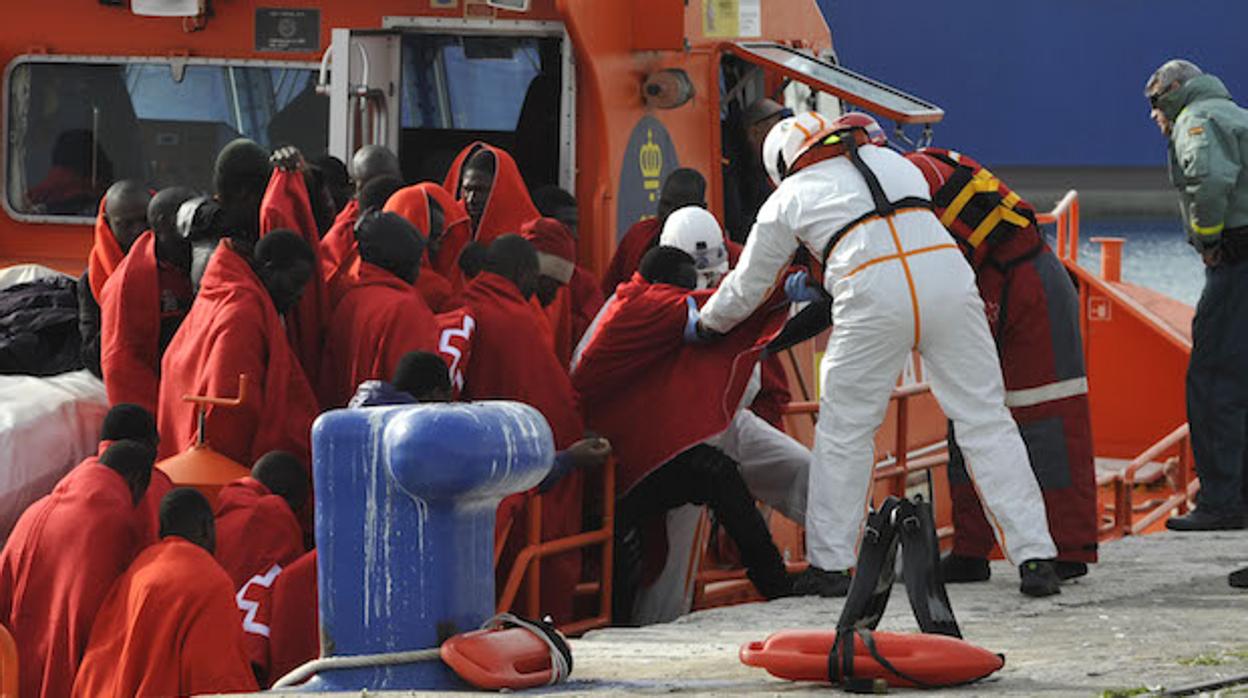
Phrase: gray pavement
(1156, 612)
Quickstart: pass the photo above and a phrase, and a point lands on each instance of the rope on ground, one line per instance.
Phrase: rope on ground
(358, 661)
(560, 656)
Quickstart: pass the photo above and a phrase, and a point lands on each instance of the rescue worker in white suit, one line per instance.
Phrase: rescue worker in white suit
(898, 282)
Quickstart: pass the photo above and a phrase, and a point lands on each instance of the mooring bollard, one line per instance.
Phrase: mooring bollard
(405, 502)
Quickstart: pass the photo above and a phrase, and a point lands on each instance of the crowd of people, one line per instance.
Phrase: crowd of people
(299, 294)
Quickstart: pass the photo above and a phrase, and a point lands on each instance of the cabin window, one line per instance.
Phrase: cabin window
(502, 89)
(76, 126)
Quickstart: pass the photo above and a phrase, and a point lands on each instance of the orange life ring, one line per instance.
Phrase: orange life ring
(934, 660)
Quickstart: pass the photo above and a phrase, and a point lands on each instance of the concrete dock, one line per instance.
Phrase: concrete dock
(1156, 612)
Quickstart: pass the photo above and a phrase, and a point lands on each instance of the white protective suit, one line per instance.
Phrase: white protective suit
(899, 283)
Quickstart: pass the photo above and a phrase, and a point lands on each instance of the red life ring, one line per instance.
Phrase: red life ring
(934, 660)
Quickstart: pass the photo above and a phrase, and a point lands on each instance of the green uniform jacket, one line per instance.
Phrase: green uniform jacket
(1208, 154)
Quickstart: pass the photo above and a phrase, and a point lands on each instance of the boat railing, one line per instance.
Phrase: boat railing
(1182, 482)
(1157, 461)
(526, 569)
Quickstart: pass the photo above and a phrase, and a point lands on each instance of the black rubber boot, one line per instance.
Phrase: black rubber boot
(960, 569)
(817, 582)
(1039, 578)
(1067, 570)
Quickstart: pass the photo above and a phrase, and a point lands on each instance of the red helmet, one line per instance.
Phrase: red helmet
(857, 119)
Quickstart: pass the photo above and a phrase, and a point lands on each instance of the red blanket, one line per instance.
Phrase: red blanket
(413, 204)
(643, 235)
(168, 628)
(56, 568)
(380, 319)
(457, 233)
(286, 207)
(280, 630)
(509, 205)
(255, 530)
(130, 327)
(340, 240)
(148, 511)
(295, 636)
(650, 393)
(587, 300)
(511, 359)
(106, 255)
(231, 330)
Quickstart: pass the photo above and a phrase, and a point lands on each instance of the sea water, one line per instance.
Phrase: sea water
(1156, 254)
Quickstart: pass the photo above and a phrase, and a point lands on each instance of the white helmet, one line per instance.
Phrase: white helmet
(694, 230)
(789, 139)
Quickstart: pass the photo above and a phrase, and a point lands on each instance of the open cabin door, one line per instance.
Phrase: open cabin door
(364, 84)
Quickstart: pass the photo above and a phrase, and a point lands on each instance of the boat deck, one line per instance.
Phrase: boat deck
(1156, 612)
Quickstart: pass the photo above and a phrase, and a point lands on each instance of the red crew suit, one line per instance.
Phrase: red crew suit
(1033, 311)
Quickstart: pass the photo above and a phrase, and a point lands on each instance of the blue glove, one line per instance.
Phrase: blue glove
(691, 321)
(797, 287)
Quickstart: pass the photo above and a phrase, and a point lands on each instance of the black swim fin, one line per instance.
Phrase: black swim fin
(916, 528)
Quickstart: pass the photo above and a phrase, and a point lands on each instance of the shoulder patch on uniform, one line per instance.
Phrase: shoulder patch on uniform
(1195, 130)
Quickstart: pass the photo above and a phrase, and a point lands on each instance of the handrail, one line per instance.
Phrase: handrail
(527, 565)
(898, 471)
(1124, 483)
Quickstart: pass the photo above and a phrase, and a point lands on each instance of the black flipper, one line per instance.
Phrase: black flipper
(921, 569)
(876, 570)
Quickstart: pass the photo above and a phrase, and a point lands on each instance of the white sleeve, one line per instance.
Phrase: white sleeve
(767, 253)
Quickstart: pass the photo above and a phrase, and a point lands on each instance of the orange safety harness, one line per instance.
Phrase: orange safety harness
(984, 214)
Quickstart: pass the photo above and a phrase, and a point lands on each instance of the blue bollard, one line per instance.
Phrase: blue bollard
(405, 503)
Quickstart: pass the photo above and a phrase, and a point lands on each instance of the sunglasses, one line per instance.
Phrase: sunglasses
(1155, 97)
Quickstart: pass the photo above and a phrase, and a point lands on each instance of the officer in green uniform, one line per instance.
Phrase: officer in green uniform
(1208, 144)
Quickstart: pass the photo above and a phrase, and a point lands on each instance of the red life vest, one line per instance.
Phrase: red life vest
(992, 223)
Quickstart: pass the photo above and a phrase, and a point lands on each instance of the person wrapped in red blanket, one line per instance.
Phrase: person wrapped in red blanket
(382, 317)
(583, 288)
(510, 359)
(235, 328)
(63, 556)
(657, 400)
(556, 259)
(255, 517)
(369, 163)
(424, 205)
(169, 627)
(683, 187)
(287, 205)
(341, 277)
(122, 218)
(143, 303)
(488, 183)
